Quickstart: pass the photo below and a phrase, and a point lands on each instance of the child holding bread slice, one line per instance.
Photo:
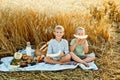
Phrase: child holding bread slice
(58, 51)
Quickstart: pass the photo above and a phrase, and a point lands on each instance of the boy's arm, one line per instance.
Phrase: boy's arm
(86, 46)
(73, 45)
(66, 48)
(49, 51)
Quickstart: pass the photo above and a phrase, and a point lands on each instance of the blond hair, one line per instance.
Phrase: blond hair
(59, 27)
(79, 29)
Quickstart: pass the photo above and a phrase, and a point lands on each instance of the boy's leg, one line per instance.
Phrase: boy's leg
(65, 58)
(89, 59)
(51, 61)
(77, 59)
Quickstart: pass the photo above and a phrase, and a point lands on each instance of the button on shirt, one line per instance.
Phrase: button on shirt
(54, 46)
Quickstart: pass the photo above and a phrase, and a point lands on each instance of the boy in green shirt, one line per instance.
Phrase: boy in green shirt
(79, 46)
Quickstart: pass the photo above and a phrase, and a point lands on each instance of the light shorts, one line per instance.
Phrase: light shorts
(87, 55)
(56, 58)
(91, 54)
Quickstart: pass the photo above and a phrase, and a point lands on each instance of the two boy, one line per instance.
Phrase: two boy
(78, 48)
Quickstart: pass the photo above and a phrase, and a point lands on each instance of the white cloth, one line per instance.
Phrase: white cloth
(43, 66)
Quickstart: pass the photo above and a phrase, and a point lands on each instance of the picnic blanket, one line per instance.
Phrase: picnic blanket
(5, 66)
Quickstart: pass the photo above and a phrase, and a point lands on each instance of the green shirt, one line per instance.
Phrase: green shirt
(79, 49)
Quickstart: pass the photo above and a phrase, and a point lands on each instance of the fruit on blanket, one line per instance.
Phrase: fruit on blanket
(15, 61)
(27, 58)
(54, 55)
(17, 55)
(80, 37)
(23, 64)
(24, 57)
(29, 61)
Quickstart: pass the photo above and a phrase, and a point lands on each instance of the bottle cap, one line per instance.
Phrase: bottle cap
(28, 43)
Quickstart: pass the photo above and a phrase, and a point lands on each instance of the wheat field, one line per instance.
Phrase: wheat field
(34, 21)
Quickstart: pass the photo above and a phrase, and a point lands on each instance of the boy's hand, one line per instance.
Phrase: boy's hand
(84, 41)
(80, 41)
(62, 54)
(77, 41)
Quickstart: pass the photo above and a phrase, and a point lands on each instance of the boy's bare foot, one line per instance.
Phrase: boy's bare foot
(86, 64)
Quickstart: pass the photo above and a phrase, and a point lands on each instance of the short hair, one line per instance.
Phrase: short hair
(59, 27)
(80, 28)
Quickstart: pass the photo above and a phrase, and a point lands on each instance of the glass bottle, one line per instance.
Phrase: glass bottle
(28, 49)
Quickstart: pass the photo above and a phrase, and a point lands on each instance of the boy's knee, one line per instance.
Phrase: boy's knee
(72, 54)
(68, 56)
(93, 57)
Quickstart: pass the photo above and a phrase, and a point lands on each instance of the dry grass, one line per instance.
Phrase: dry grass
(34, 20)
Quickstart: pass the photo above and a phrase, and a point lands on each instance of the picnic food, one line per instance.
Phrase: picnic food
(23, 64)
(15, 61)
(24, 57)
(17, 55)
